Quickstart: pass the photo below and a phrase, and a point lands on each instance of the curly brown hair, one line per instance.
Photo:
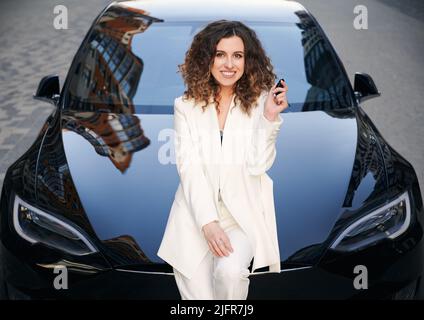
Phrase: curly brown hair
(196, 70)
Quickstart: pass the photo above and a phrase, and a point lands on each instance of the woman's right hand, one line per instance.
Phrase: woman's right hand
(217, 239)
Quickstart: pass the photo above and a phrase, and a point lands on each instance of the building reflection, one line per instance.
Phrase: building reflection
(22, 176)
(124, 250)
(99, 107)
(116, 136)
(56, 190)
(107, 76)
(328, 85)
(367, 160)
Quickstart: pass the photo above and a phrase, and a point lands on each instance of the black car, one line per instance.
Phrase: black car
(83, 211)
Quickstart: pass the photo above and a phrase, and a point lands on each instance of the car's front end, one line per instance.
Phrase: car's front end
(78, 221)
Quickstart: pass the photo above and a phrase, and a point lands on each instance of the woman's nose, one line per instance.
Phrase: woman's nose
(229, 62)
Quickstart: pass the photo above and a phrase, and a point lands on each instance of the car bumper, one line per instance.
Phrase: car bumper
(389, 271)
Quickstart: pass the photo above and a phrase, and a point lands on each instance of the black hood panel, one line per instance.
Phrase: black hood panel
(123, 168)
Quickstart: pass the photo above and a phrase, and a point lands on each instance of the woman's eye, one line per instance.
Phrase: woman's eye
(219, 54)
(238, 56)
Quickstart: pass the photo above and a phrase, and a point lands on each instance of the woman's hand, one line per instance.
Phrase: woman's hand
(275, 104)
(217, 239)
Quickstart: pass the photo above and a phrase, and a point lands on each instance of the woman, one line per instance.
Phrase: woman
(223, 212)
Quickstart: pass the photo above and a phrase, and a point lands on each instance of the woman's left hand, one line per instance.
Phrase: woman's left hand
(275, 104)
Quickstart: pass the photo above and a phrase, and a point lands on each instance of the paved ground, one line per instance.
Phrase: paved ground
(390, 50)
(32, 48)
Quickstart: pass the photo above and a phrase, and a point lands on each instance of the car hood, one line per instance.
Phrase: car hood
(123, 168)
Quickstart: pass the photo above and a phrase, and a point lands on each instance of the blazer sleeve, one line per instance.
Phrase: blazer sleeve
(261, 152)
(196, 188)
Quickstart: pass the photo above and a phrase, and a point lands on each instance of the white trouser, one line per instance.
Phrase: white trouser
(221, 278)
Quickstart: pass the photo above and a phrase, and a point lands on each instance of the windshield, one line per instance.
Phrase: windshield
(131, 67)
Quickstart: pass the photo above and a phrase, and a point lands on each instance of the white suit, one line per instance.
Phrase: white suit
(237, 168)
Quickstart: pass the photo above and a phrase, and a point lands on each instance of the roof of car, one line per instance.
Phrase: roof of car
(246, 10)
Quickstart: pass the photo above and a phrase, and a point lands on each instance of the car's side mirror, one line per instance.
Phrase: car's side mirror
(364, 87)
(48, 89)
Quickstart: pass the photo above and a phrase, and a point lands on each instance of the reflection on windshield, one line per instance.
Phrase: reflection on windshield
(129, 64)
(108, 72)
(328, 84)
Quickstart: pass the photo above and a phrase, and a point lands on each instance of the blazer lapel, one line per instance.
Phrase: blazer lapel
(207, 127)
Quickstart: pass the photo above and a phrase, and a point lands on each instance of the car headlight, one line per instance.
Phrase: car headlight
(389, 221)
(37, 226)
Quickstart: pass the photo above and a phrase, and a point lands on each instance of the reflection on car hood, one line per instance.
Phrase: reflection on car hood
(123, 169)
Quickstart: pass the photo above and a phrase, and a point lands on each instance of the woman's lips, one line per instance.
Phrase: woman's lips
(227, 74)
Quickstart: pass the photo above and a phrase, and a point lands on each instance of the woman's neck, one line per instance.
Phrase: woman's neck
(226, 92)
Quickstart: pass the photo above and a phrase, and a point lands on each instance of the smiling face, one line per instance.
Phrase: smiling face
(228, 65)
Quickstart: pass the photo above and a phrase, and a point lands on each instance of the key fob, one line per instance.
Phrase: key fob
(280, 85)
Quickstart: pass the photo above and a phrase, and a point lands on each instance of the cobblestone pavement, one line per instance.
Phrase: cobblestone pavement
(390, 50)
(32, 48)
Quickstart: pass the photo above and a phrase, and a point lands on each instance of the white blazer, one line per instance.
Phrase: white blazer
(237, 168)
